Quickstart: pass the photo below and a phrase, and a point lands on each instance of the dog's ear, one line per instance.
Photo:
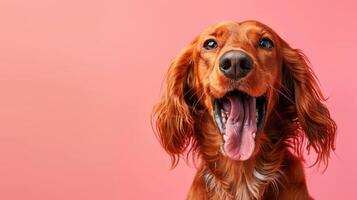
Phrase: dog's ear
(173, 114)
(309, 113)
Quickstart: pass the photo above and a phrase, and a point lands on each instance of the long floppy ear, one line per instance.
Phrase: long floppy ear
(311, 115)
(174, 119)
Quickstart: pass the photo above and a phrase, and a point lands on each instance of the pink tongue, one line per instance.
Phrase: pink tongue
(240, 127)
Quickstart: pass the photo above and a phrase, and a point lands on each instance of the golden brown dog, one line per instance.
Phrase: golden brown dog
(243, 101)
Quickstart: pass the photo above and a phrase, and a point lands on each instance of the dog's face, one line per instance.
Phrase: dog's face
(241, 56)
(237, 66)
(247, 80)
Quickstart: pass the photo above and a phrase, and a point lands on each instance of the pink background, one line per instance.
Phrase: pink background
(78, 80)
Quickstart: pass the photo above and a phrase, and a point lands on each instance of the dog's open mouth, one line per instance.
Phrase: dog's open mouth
(239, 117)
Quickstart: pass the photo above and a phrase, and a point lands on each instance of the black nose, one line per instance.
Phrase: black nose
(235, 64)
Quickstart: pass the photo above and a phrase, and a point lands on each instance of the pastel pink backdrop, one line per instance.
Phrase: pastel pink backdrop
(78, 80)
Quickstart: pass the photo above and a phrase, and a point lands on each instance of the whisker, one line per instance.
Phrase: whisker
(285, 88)
(198, 100)
(188, 92)
(278, 114)
(282, 93)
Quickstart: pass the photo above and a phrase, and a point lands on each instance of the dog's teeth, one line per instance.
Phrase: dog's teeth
(224, 116)
(254, 134)
(222, 150)
(257, 115)
(224, 120)
(225, 137)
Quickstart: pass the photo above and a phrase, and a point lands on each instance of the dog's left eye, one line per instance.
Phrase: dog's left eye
(266, 43)
(210, 44)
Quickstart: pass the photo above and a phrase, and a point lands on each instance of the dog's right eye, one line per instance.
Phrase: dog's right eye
(210, 44)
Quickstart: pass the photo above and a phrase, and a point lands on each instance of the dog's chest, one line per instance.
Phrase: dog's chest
(242, 188)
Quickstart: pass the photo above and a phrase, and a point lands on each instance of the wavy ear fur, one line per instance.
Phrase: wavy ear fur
(307, 109)
(173, 114)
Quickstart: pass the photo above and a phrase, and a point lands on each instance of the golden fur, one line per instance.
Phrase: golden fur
(295, 112)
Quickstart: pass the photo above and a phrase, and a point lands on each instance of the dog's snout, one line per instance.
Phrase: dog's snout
(235, 64)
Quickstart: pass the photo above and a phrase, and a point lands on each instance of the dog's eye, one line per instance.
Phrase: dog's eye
(266, 43)
(210, 44)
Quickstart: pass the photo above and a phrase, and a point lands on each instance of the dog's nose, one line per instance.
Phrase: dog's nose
(235, 64)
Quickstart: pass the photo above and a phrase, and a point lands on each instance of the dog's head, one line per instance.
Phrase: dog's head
(248, 80)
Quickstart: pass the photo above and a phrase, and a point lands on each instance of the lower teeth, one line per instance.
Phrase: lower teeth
(257, 115)
(225, 137)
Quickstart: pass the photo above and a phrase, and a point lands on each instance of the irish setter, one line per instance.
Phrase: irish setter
(246, 105)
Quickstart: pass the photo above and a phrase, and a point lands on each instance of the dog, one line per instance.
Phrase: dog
(245, 104)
